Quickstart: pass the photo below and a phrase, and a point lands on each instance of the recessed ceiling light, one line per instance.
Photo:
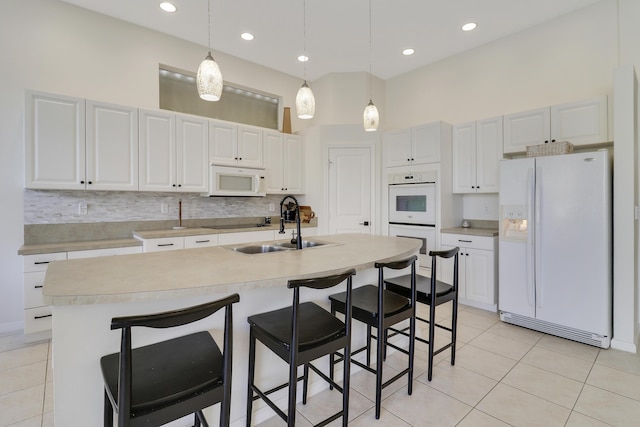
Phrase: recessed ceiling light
(469, 26)
(167, 7)
(408, 51)
(247, 36)
(303, 58)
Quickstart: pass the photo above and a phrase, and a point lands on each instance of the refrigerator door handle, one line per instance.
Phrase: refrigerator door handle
(537, 232)
(530, 266)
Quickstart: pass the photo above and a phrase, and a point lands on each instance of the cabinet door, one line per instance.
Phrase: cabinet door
(425, 141)
(480, 281)
(223, 138)
(397, 149)
(294, 164)
(464, 158)
(445, 269)
(274, 162)
(112, 147)
(157, 151)
(55, 142)
(580, 123)
(192, 154)
(250, 146)
(526, 128)
(488, 154)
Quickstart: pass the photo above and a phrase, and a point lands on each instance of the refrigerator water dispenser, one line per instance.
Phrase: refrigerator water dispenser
(513, 224)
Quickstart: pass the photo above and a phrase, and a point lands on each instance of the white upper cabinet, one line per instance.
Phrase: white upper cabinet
(580, 123)
(111, 147)
(283, 154)
(192, 153)
(173, 152)
(55, 142)
(157, 146)
(73, 144)
(476, 150)
(235, 145)
(413, 146)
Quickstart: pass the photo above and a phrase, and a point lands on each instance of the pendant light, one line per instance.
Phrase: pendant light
(209, 78)
(370, 117)
(305, 101)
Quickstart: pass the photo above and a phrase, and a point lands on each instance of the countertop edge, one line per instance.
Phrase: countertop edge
(484, 232)
(46, 248)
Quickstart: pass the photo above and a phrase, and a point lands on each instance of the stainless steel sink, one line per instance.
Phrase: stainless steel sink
(259, 249)
(305, 244)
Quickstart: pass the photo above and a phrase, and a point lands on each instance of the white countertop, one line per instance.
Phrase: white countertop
(191, 272)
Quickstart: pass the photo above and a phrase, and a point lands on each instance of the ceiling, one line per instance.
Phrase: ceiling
(337, 31)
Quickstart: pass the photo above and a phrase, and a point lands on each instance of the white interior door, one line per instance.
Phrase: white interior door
(350, 190)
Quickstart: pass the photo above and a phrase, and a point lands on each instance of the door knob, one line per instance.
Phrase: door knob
(366, 223)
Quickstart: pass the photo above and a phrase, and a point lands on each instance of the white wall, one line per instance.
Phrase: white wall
(568, 59)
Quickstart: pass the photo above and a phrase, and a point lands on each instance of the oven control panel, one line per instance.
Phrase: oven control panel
(412, 177)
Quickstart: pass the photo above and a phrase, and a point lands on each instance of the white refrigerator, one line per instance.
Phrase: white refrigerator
(555, 246)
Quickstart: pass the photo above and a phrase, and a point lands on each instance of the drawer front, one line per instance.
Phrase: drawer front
(201, 241)
(33, 289)
(39, 262)
(92, 253)
(166, 244)
(37, 319)
(466, 241)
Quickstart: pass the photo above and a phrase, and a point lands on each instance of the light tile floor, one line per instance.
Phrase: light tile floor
(504, 376)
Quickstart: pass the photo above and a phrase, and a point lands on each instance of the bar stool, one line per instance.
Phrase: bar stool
(368, 302)
(159, 383)
(433, 292)
(300, 334)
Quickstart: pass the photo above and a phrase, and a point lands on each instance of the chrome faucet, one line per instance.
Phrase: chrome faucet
(298, 238)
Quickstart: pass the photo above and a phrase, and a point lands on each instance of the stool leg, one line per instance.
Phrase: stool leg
(380, 351)
(304, 384)
(252, 358)
(454, 327)
(293, 383)
(368, 345)
(432, 332)
(412, 348)
(108, 411)
(345, 385)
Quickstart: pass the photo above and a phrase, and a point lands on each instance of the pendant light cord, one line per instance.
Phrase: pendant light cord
(209, 16)
(370, 84)
(304, 40)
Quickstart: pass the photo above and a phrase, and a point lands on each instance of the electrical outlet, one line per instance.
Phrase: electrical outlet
(164, 208)
(486, 208)
(82, 208)
(272, 207)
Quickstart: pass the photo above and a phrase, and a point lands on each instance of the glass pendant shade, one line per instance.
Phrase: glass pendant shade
(209, 79)
(305, 102)
(370, 117)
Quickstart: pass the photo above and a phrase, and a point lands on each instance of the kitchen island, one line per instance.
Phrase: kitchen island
(87, 293)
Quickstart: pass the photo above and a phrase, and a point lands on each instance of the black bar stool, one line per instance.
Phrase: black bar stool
(368, 302)
(300, 334)
(433, 292)
(159, 383)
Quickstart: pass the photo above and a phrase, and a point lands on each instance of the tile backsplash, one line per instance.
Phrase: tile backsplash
(60, 207)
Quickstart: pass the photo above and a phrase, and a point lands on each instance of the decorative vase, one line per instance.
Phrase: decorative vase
(286, 120)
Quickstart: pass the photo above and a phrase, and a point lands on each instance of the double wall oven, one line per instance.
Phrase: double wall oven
(412, 210)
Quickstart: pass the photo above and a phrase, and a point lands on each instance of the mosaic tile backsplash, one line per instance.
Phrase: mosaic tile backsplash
(61, 207)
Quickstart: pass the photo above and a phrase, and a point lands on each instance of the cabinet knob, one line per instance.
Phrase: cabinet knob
(81, 182)
(553, 140)
(408, 160)
(89, 182)
(546, 141)
(239, 158)
(179, 185)
(173, 185)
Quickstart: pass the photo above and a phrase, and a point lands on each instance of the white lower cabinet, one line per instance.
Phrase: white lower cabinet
(477, 267)
(37, 315)
(162, 244)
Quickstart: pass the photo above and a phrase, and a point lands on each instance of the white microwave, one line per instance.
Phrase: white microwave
(236, 181)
